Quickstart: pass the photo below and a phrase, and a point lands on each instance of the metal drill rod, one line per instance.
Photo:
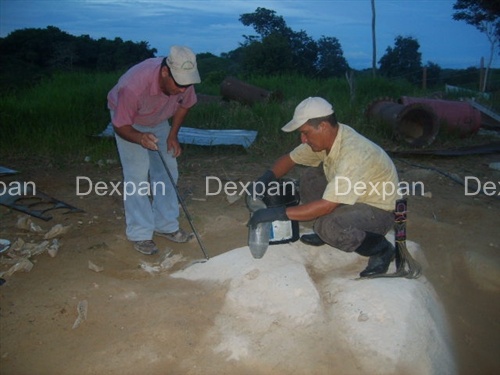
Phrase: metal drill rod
(183, 206)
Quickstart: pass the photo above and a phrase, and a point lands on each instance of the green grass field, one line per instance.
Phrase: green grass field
(57, 119)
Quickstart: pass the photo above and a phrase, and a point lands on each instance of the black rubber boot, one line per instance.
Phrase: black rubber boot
(312, 239)
(380, 251)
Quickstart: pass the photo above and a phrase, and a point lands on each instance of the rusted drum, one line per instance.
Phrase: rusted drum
(456, 117)
(415, 124)
(233, 89)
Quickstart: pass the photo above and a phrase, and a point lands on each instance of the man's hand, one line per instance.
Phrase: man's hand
(149, 141)
(129, 133)
(173, 146)
(268, 215)
(259, 187)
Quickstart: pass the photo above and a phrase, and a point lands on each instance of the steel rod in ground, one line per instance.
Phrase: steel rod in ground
(188, 216)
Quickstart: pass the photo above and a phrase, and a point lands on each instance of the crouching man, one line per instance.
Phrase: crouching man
(342, 189)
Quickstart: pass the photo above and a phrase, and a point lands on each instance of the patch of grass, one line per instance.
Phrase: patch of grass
(56, 119)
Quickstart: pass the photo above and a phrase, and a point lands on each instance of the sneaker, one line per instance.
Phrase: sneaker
(178, 236)
(147, 247)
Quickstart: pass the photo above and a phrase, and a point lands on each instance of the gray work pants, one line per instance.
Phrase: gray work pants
(345, 228)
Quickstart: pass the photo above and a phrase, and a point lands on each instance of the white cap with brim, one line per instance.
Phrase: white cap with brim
(182, 64)
(309, 108)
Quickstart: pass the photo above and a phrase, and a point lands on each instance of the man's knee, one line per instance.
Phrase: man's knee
(312, 184)
(336, 235)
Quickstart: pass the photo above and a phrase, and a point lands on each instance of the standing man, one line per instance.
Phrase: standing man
(346, 216)
(141, 104)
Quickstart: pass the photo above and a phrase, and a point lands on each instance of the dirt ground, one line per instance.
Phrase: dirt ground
(148, 323)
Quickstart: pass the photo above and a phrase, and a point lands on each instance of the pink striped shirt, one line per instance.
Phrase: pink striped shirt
(138, 99)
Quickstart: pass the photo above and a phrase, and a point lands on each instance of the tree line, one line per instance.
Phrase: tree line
(28, 54)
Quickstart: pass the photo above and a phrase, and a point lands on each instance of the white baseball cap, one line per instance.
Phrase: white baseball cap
(309, 108)
(182, 64)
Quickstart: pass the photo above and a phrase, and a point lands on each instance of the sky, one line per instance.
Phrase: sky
(214, 26)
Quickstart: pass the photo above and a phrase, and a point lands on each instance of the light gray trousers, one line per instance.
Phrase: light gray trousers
(345, 228)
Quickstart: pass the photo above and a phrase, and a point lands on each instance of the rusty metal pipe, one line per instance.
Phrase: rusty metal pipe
(415, 124)
(454, 116)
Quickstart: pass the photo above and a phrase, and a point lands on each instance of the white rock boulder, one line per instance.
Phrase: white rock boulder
(299, 306)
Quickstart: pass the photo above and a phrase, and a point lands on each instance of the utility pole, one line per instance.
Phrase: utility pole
(481, 76)
(424, 78)
(374, 42)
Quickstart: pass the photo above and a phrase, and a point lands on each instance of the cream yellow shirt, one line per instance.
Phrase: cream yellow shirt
(357, 170)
